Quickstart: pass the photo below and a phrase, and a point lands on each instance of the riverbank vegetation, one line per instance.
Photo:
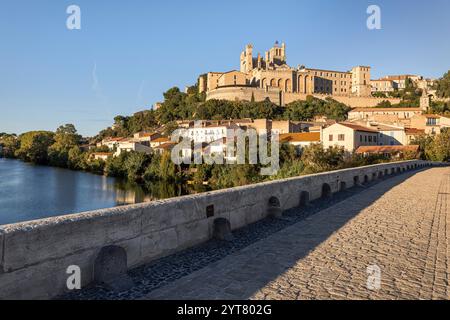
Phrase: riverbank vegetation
(63, 148)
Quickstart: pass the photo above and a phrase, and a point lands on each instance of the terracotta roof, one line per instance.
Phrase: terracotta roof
(414, 131)
(168, 145)
(161, 139)
(300, 137)
(374, 109)
(386, 149)
(128, 140)
(385, 127)
(356, 127)
(382, 80)
(434, 116)
(147, 134)
(113, 139)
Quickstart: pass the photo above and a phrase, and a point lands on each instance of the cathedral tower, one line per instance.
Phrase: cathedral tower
(247, 59)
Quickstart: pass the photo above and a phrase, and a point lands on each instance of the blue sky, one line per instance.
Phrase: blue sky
(128, 53)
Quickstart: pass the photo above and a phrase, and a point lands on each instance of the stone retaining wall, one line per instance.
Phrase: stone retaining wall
(282, 98)
(35, 255)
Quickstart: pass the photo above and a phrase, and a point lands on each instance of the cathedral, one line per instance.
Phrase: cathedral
(270, 76)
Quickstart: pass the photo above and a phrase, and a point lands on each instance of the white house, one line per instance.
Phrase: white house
(131, 145)
(349, 136)
(111, 143)
(389, 134)
(208, 134)
(146, 138)
(101, 155)
(159, 141)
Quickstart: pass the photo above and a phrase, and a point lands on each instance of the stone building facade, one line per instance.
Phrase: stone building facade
(271, 77)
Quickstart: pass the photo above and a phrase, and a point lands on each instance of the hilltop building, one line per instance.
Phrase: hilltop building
(271, 77)
(394, 83)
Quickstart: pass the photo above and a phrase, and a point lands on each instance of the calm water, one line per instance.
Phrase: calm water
(29, 192)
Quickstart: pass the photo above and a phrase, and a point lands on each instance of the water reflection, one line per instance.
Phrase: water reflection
(130, 193)
(29, 192)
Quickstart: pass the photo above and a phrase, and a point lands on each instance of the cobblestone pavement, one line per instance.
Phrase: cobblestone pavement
(400, 225)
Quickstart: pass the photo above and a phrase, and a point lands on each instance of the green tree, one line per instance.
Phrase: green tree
(384, 104)
(318, 159)
(378, 94)
(66, 138)
(153, 172)
(115, 166)
(443, 86)
(34, 146)
(306, 110)
(290, 169)
(10, 144)
(77, 159)
(439, 148)
(440, 107)
(202, 173)
(96, 166)
(424, 142)
(162, 168)
(227, 176)
(169, 128)
(167, 167)
(135, 165)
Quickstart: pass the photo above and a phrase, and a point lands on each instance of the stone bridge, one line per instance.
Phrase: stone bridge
(35, 255)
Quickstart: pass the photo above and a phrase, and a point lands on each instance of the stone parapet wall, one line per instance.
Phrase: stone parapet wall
(35, 255)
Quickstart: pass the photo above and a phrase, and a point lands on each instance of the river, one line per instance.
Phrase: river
(30, 192)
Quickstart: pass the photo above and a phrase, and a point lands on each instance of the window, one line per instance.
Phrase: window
(330, 137)
(431, 121)
(341, 137)
(360, 138)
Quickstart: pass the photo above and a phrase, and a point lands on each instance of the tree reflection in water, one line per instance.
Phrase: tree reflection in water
(130, 192)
